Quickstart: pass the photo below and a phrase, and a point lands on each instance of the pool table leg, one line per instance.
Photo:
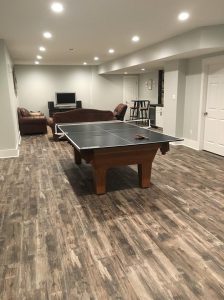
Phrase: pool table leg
(144, 174)
(100, 180)
(78, 157)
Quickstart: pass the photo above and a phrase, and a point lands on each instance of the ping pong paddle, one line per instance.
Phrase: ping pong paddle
(140, 137)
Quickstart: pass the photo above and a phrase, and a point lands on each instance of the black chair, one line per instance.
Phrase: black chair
(144, 111)
(134, 110)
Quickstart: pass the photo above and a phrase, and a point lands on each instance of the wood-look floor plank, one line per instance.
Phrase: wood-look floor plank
(58, 240)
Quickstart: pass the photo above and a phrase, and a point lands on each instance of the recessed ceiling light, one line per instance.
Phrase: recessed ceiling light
(47, 35)
(42, 48)
(135, 38)
(36, 62)
(39, 57)
(57, 7)
(183, 16)
(85, 63)
(142, 69)
(111, 51)
(125, 73)
(96, 58)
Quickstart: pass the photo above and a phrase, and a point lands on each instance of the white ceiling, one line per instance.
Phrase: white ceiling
(91, 27)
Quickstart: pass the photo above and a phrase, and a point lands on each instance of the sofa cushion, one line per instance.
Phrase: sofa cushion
(36, 114)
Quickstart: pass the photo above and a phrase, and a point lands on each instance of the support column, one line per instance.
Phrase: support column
(174, 97)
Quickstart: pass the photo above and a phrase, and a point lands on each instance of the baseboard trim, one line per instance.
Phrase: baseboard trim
(8, 153)
(191, 144)
(179, 143)
(19, 139)
(188, 143)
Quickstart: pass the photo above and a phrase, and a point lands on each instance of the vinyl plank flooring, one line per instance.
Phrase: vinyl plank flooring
(58, 240)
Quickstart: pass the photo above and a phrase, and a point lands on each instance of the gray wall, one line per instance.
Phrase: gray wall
(182, 93)
(207, 39)
(107, 90)
(174, 97)
(37, 85)
(144, 92)
(193, 95)
(192, 98)
(181, 97)
(8, 115)
(170, 97)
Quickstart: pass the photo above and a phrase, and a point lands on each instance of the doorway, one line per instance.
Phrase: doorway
(214, 110)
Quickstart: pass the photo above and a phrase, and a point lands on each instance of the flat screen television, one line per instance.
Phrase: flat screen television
(65, 99)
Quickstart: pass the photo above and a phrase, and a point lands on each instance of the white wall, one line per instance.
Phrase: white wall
(37, 85)
(144, 92)
(9, 131)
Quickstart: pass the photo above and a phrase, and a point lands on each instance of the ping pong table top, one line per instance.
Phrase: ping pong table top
(86, 136)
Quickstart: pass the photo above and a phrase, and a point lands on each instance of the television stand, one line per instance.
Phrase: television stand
(61, 108)
(65, 106)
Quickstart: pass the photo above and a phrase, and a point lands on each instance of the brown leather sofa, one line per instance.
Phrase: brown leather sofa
(31, 122)
(79, 115)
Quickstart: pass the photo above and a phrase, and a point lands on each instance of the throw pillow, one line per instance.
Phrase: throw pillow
(24, 112)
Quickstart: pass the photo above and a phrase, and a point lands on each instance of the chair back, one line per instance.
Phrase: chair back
(145, 104)
(120, 111)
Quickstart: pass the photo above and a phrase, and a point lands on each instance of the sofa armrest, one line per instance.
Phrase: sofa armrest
(33, 120)
(33, 125)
